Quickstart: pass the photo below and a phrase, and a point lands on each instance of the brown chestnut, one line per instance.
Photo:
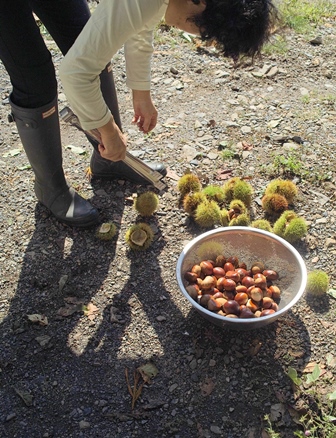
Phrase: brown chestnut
(247, 281)
(267, 312)
(220, 261)
(218, 272)
(203, 300)
(275, 307)
(231, 306)
(252, 305)
(229, 295)
(234, 260)
(242, 272)
(228, 267)
(191, 277)
(206, 267)
(214, 305)
(229, 285)
(241, 288)
(221, 301)
(233, 275)
(217, 294)
(193, 291)
(260, 282)
(197, 270)
(270, 274)
(246, 313)
(267, 303)
(256, 294)
(275, 292)
(241, 298)
(220, 283)
(209, 282)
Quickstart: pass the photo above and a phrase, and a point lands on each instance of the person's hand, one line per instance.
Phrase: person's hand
(145, 113)
(113, 142)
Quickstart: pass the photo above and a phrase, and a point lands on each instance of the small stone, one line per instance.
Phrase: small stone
(329, 242)
(316, 41)
(161, 318)
(173, 387)
(216, 430)
(10, 416)
(84, 424)
(246, 129)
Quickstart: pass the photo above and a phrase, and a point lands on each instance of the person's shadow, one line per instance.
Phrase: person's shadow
(70, 370)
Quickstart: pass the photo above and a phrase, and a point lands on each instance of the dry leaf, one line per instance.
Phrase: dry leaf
(207, 386)
(277, 412)
(91, 311)
(148, 372)
(172, 175)
(43, 340)
(224, 174)
(36, 318)
(25, 396)
(70, 309)
(254, 349)
(309, 367)
(246, 146)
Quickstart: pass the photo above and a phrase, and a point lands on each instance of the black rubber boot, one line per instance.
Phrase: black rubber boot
(110, 170)
(40, 135)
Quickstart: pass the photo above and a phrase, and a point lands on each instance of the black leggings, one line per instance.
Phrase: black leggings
(23, 50)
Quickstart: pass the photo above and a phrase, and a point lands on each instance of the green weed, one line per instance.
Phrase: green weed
(289, 164)
(300, 15)
(227, 154)
(278, 45)
(319, 420)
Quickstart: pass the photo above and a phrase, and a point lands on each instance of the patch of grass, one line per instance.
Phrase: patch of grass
(300, 15)
(312, 115)
(319, 420)
(227, 154)
(278, 45)
(271, 432)
(289, 164)
(305, 99)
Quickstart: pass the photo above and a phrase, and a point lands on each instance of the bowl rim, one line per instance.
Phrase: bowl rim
(244, 321)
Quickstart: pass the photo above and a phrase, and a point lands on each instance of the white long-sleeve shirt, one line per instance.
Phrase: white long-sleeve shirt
(114, 24)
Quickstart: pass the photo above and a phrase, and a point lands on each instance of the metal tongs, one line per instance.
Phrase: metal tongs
(152, 176)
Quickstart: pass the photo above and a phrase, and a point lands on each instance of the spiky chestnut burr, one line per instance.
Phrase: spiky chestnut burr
(274, 203)
(262, 224)
(192, 200)
(139, 236)
(188, 183)
(146, 203)
(214, 193)
(237, 188)
(290, 227)
(285, 188)
(317, 283)
(106, 231)
(207, 214)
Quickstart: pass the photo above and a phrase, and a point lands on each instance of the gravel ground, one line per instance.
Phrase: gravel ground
(65, 377)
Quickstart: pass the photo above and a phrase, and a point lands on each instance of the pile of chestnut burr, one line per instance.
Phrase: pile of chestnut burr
(230, 289)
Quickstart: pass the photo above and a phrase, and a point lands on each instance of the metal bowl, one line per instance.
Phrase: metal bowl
(249, 245)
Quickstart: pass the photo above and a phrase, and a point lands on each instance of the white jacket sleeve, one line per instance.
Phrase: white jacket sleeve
(113, 24)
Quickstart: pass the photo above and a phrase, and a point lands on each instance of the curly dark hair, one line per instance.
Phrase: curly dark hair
(238, 27)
